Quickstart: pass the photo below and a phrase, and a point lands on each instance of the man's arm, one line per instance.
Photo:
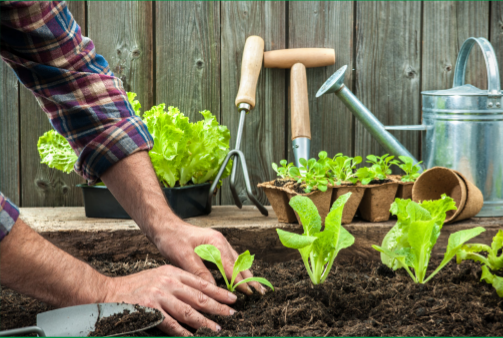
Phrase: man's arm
(33, 266)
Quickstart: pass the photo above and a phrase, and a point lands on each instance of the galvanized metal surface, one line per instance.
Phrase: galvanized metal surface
(301, 147)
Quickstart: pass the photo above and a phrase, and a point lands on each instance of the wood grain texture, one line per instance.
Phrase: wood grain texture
(496, 33)
(122, 32)
(9, 135)
(263, 139)
(325, 25)
(388, 66)
(40, 185)
(446, 25)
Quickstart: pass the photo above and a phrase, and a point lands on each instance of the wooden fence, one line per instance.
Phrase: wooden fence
(188, 54)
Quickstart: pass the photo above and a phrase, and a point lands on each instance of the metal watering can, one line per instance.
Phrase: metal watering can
(462, 127)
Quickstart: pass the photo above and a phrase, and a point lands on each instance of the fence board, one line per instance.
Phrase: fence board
(388, 65)
(446, 25)
(497, 33)
(127, 44)
(9, 135)
(40, 185)
(263, 138)
(329, 25)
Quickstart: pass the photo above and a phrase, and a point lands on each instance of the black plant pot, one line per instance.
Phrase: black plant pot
(187, 201)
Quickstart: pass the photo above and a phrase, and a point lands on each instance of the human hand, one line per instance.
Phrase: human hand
(178, 244)
(178, 294)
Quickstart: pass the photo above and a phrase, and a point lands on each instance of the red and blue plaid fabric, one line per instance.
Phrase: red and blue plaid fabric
(8, 216)
(84, 101)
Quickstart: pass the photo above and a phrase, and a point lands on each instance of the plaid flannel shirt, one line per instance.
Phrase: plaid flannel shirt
(84, 101)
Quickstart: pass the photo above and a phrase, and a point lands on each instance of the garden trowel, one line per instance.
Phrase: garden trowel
(77, 321)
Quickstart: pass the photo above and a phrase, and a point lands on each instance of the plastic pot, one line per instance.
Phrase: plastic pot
(187, 201)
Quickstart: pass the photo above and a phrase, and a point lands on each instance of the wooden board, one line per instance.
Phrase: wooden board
(127, 44)
(245, 229)
(329, 25)
(446, 25)
(40, 185)
(9, 135)
(388, 68)
(496, 33)
(263, 139)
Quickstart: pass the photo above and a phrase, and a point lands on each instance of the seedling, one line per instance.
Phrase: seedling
(410, 242)
(343, 168)
(283, 170)
(318, 248)
(411, 170)
(311, 174)
(492, 262)
(382, 165)
(366, 175)
(244, 261)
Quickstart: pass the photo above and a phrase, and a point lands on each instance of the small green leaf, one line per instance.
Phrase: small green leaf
(242, 263)
(308, 213)
(496, 281)
(294, 241)
(283, 163)
(211, 254)
(275, 167)
(261, 280)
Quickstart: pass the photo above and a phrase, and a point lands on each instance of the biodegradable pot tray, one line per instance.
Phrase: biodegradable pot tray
(377, 201)
(279, 202)
(187, 201)
(404, 188)
(352, 204)
(320, 199)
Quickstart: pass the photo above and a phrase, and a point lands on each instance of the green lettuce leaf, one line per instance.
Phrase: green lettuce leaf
(489, 278)
(56, 152)
(134, 103)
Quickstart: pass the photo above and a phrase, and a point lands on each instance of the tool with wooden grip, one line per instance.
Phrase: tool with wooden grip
(298, 60)
(245, 101)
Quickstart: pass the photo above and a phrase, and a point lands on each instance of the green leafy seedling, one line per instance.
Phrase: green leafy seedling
(283, 170)
(365, 175)
(311, 174)
(244, 262)
(495, 281)
(411, 170)
(382, 164)
(343, 168)
(317, 248)
(409, 243)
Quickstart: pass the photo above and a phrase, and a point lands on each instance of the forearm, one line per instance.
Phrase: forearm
(31, 265)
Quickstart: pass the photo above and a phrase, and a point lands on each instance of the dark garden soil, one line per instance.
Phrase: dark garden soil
(374, 182)
(357, 299)
(125, 322)
(281, 183)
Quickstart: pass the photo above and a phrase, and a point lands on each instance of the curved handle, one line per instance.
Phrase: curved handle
(250, 69)
(493, 76)
(23, 331)
(309, 57)
(299, 102)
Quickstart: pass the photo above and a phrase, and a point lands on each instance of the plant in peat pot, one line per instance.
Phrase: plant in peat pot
(411, 170)
(491, 262)
(244, 262)
(381, 165)
(410, 242)
(342, 168)
(311, 175)
(318, 248)
(283, 172)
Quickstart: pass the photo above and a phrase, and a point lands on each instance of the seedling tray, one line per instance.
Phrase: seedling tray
(187, 201)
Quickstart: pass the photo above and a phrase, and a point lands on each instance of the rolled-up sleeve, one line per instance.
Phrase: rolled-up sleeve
(9, 214)
(84, 101)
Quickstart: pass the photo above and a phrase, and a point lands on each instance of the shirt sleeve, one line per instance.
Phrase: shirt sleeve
(9, 214)
(84, 101)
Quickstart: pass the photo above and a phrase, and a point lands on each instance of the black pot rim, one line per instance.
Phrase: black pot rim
(85, 186)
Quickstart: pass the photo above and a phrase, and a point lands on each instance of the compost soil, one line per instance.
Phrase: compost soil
(374, 182)
(125, 322)
(281, 183)
(358, 298)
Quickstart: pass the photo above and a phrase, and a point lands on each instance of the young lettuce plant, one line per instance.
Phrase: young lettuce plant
(318, 248)
(366, 175)
(491, 262)
(411, 170)
(283, 169)
(244, 262)
(381, 165)
(311, 174)
(410, 242)
(343, 168)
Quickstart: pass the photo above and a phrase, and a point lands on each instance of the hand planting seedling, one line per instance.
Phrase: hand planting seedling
(311, 175)
(283, 170)
(411, 170)
(244, 262)
(492, 262)
(318, 248)
(343, 168)
(410, 242)
(381, 165)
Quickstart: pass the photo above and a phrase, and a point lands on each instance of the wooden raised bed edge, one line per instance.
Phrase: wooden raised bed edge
(245, 229)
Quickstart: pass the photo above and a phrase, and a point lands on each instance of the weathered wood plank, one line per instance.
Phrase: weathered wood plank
(123, 33)
(245, 229)
(9, 135)
(263, 139)
(496, 33)
(388, 68)
(329, 25)
(41, 186)
(446, 25)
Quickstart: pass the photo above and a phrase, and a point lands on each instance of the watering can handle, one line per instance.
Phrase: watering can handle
(493, 76)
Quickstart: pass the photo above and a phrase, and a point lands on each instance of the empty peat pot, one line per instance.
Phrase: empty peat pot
(187, 201)
(439, 180)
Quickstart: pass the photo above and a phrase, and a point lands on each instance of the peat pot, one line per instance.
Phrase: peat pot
(187, 201)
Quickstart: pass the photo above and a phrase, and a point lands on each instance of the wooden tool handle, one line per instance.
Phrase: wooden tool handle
(299, 102)
(310, 57)
(250, 70)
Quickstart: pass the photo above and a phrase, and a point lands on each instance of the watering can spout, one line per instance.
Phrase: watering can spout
(335, 84)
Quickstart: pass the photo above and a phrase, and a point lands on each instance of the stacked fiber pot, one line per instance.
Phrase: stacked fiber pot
(373, 188)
